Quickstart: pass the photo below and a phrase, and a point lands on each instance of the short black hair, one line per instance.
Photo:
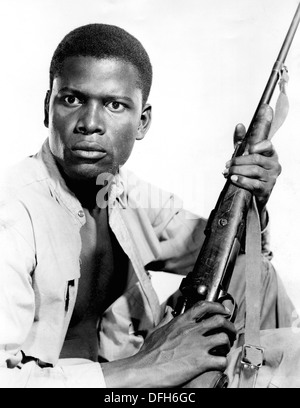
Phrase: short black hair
(104, 41)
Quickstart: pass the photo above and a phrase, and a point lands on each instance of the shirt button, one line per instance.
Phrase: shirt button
(81, 213)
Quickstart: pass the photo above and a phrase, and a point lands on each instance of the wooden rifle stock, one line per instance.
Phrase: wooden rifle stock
(212, 272)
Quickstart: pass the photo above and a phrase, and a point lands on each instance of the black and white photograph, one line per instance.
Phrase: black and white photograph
(149, 196)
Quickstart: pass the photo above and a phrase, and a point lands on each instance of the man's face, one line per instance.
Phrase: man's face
(94, 115)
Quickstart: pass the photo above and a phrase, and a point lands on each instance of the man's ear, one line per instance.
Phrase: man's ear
(46, 108)
(145, 122)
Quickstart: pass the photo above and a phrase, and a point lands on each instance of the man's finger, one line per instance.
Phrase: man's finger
(253, 185)
(203, 309)
(218, 324)
(264, 147)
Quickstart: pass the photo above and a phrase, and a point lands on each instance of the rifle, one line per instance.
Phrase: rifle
(210, 278)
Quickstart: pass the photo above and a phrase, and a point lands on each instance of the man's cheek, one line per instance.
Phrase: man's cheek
(60, 120)
(125, 153)
(61, 130)
(58, 139)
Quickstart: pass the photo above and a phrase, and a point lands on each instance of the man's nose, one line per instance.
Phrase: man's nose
(91, 119)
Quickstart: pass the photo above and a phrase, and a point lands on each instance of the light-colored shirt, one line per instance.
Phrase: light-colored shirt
(40, 248)
(40, 245)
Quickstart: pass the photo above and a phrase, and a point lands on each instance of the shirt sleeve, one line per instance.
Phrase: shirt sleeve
(17, 309)
(82, 375)
(17, 262)
(182, 234)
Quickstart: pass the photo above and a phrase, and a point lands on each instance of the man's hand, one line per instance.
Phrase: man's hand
(256, 171)
(177, 351)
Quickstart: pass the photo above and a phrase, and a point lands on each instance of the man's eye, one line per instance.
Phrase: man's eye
(115, 106)
(71, 100)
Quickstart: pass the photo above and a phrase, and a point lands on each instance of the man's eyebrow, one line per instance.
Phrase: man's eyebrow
(107, 96)
(71, 90)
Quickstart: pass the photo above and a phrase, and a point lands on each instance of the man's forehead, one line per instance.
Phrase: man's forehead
(94, 67)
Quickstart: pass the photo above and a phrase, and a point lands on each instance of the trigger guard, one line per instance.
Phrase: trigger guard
(225, 297)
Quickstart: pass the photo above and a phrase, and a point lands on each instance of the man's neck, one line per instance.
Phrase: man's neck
(85, 190)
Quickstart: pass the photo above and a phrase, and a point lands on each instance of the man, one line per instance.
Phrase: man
(79, 236)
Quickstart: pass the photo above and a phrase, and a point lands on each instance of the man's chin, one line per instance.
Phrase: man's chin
(87, 172)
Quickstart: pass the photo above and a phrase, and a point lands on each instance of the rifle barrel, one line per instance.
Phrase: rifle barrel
(276, 71)
(274, 77)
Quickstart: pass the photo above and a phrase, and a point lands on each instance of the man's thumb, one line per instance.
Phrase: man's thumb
(239, 133)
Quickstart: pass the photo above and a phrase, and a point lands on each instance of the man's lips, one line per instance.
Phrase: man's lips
(88, 150)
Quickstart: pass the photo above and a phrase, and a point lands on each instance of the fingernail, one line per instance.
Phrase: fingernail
(227, 165)
(225, 172)
(234, 178)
